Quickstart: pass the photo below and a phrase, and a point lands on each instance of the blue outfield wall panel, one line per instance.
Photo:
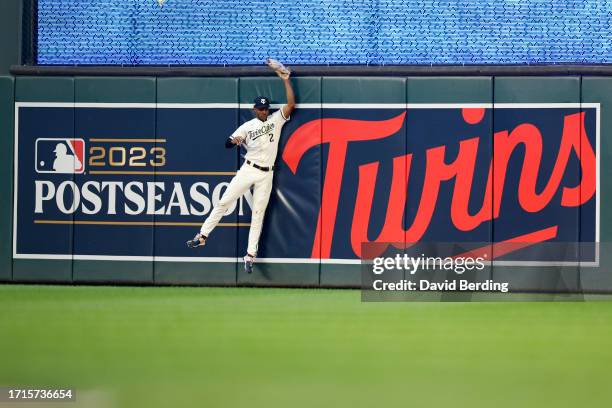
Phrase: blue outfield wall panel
(45, 122)
(113, 234)
(598, 91)
(361, 145)
(119, 172)
(7, 120)
(453, 114)
(197, 170)
(533, 117)
(290, 221)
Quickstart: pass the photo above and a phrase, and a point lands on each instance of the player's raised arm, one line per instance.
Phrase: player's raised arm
(284, 73)
(288, 108)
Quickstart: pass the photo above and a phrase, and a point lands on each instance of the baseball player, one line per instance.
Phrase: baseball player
(260, 137)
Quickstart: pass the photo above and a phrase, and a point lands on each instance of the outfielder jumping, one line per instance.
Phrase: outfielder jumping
(260, 137)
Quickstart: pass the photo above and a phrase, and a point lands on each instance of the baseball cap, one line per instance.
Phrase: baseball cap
(261, 102)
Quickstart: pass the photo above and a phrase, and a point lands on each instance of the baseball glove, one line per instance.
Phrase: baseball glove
(281, 70)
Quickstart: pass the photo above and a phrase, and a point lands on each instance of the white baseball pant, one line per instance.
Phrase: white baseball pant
(246, 177)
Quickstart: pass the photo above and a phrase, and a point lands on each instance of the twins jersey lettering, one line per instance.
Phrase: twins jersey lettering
(261, 138)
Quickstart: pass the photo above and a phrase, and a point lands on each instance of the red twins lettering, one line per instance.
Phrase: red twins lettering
(439, 168)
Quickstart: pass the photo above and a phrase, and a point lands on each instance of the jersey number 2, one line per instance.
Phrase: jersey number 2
(271, 137)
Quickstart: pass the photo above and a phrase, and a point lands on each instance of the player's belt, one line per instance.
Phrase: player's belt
(250, 163)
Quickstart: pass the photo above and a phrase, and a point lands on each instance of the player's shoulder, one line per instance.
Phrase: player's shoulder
(278, 115)
(249, 123)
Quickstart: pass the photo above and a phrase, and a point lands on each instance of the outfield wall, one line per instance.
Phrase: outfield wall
(399, 159)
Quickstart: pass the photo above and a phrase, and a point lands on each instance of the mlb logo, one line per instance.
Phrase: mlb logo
(55, 155)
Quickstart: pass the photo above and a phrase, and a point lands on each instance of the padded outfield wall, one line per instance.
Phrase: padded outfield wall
(404, 159)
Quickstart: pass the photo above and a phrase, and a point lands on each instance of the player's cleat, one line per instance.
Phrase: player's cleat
(248, 263)
(198, 240)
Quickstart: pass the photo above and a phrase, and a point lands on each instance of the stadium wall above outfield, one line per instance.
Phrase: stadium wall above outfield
(466, 160)
(365, 32)
(315, 70)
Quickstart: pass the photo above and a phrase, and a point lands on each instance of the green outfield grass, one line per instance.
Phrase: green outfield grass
(243, 347)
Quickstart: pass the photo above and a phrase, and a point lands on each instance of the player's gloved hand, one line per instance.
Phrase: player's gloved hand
(281, 70)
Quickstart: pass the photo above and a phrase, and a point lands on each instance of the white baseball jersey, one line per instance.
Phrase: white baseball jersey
(261, 138)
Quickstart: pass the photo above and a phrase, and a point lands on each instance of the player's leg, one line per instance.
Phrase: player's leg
(261, 196)
(236, 188)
